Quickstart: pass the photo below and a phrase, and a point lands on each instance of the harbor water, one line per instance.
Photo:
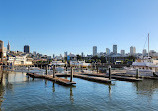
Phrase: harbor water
(20, 93)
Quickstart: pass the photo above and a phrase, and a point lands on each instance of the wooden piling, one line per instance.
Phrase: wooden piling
(137, 73)
(53, 71)
(109, 72)
(71, 76)
(46, 69)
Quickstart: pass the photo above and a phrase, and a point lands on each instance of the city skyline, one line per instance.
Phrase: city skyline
(52, 27)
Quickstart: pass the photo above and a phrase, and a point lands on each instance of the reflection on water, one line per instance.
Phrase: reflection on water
(20, 93)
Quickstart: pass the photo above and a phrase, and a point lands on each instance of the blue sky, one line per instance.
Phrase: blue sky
(54, 26)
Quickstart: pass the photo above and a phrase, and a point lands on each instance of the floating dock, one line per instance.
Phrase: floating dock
(49, 77)
(95, 79)
(123, 78)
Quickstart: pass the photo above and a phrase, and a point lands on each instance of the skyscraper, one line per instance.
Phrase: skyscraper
(132, 50)
(107, 51)
(122, 52)
(82, 54)
(115, 49)
(65, 54)
(8, 47)
(94, 50)
(27, 49)
(144, 52)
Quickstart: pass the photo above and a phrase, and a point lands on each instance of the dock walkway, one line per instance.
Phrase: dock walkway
(49, 77)
(123, 78)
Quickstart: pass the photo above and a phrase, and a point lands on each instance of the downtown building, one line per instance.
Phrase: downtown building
(94, 50)
(115, 49)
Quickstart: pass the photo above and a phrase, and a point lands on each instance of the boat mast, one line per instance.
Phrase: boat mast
(148, 45)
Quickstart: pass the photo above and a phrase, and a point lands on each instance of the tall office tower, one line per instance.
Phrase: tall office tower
(115, 49)
(144, 52)
(107, 51)
(82, 54)
(65, 54)
(132, 50)
(8, 47)
(94, 50)
(122, 52)
(27, 49)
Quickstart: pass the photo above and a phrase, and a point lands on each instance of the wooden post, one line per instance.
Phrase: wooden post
(109, 72)
(66, 67)
(71, 76)
(137, 73)
(46, 69)
(97, 68)
(53, 71)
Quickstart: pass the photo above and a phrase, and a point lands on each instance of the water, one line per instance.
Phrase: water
(19, 93)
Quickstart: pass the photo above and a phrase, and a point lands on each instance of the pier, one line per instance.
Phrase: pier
(55, 79)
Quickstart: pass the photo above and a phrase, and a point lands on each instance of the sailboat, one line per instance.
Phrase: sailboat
(146, 65)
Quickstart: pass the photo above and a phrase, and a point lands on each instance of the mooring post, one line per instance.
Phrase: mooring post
(71, 76)
(137, 73)
(53, 71)
(97, 68)
(109, 72)
(46, 69)
(66, 67)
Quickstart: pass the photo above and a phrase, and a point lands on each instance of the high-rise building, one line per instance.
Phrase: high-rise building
(27, 49)
(144, 52)
(8, 47)
(132, 50)
(122, 52)
(65, 54)
(94, 50)
(115, 49)
(82, 55)
(107, 51)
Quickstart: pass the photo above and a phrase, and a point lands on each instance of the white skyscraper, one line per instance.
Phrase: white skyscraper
(132, 50)
(122, 52)
(115, 49)
(107, 51)
(94, 50)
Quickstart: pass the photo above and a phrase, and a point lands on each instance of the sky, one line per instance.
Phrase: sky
(55, 26)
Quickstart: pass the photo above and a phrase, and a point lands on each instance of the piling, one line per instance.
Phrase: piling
(66, 67)
(137, 73)
(109, 72)
(53, 71)
(46, 69)
(71, 76)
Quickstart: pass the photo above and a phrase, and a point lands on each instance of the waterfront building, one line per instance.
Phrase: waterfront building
(27, 49)
(94, 50)
(115, 49)
(8, 47)
(132, 50)
(122, 52)
(19, 60)
(107, 51)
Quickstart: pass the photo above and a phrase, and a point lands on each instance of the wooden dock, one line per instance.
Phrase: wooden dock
(95, 79)
(123, 78)
(49, 77)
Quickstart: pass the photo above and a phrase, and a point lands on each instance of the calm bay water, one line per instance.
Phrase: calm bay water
(18, 93)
